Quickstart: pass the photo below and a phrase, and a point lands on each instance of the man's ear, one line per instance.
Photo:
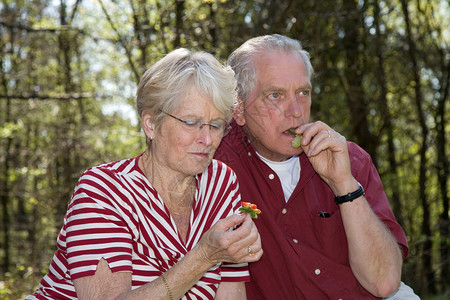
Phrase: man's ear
(238, 113)
(148, 126)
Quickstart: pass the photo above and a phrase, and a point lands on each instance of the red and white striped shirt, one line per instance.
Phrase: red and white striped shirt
(117, 215)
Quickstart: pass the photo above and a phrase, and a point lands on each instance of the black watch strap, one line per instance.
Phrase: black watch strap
(350, 196)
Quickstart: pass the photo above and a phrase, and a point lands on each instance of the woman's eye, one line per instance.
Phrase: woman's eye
(216, 125)
(191, 123)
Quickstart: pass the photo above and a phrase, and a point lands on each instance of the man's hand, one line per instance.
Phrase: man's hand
(327, 151)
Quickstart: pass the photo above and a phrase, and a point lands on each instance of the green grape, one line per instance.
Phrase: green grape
(297, 141)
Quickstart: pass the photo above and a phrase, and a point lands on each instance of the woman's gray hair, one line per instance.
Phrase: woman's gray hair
(241, 59)
(165, 83)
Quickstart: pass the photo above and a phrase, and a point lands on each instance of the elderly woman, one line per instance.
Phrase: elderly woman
(161, 225)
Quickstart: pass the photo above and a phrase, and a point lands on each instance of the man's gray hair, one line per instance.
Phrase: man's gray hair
(242, 64)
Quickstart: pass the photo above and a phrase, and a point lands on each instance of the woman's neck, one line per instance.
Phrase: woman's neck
(176, 190)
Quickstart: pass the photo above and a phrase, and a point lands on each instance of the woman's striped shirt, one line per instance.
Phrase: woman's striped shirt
(117, 215)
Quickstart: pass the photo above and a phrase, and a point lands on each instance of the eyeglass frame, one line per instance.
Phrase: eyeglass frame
(199, 125)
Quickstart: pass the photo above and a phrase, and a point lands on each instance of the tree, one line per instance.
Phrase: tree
(382, 80)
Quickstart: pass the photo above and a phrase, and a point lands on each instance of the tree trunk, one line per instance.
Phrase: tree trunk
(426, 223)
(394, 198)
(5, 192)
(65, 132)
(4, 178)
(179, 9)
(212, 28)
(351, 25)
(443, 175)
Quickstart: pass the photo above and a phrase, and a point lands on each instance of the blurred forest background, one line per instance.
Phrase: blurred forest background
(69, 70)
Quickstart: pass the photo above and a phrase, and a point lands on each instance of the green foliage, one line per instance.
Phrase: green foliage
(69, 79)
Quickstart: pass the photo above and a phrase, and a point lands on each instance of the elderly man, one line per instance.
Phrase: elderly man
(326, 226)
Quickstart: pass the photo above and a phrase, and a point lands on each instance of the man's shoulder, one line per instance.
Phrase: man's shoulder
(233, 146)
(360, 160)
(356, 152)
(227, 152)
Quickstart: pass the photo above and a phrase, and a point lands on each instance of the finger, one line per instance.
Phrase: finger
(326, 139)
(332, 134)
(318, 142)
(251, 244)
(221, 244)
(254, 252)
(255, 256)
(237, 240)
(256, 246)
(230, 222)
(247, 230)
(240, 239)
(311, 130)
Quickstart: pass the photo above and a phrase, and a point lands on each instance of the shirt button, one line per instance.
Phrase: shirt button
(271, 176)
(295, 241)
(317, 271)
(284, 211)
(249, 154)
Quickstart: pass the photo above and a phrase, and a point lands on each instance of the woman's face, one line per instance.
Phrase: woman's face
(186, 148)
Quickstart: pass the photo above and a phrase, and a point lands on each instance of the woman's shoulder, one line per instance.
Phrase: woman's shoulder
(115, 168)
(107, 176)
(217, 173)
(107, 183)
(219, 166)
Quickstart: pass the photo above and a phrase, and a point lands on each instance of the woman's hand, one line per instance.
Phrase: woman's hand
(243, 244)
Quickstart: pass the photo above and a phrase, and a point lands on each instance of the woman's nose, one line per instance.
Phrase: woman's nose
(205, 135)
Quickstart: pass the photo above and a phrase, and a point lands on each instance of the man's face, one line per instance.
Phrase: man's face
(280, 100)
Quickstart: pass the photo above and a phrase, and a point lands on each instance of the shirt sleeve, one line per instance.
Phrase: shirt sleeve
(96, 230)
(234, 272)
(366, 173)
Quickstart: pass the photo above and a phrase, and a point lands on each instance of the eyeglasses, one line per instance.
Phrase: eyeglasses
(218, 128)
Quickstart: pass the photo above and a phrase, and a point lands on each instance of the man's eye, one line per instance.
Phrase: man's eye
(304, 93)
(274, 95)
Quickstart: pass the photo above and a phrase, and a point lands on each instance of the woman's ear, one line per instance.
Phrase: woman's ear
(148, 126)
(238, 113)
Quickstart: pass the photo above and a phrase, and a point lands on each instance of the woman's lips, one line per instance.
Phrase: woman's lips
(201, 154)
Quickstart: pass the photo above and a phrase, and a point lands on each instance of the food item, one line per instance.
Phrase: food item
(297, 141)
(249, 208)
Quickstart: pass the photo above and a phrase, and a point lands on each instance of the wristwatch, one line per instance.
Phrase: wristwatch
(350, 196)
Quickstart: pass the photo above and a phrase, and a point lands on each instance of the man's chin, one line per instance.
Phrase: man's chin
(283, 154)
(293, 151)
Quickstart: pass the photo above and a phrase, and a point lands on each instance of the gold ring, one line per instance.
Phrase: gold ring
(329, 133)
(249, 250)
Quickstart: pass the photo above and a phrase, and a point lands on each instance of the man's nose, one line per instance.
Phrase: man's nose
(294, 108)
